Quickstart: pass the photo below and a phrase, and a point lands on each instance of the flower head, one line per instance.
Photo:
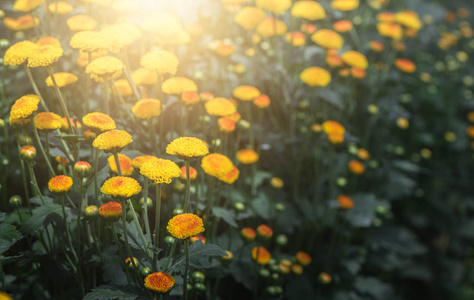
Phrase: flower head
(356, 167)
(28, 152)
(112, 141)
(24, 107)
(18, 124)
(105, 66)
(18, 53)
(98, 122)
(247, 156)
(345, 5)
(22, 23)
(121, 187)
(123, 88)
(328, 39)
(220, 107)
(265, 231)
(160, 61)
(92, 41)
(45, 56)
(345, 202)
(303, 258)
(342, 26)
(296, 38)
(405, 65)
(363, 154)
(111, 211)
(49, 40)
(408, 18)
(248, 234)
(82, 169)
(246, 92)
(187, 148)
(226, 124)
(315, 76)
(62, 79)
(190, 97)
(391, 30)
(59, 7)
(185, 225)
(27, 5)
(271, 27)
(159, 282)
(138, 161)
(274, 6)
(48, 121)
(198, 237)
(178, 85)
(230, 177)
(376, 46)
(249, 17)
(60, 184)
(276, 182)
(309, 10)
(355, 59)
(160, 170)
(81, 23)
(143, 76)
(216, 164)
(263, 255)
(146, 109)
(125, 164)
(262, 101)
(192, 173)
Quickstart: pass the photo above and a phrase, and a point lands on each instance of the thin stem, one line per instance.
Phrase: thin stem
(96, 241)
(79, 211)
(88, 84)
(43, 152)
(139, 229)
(35, 183)
(106, 98)
(61, 100)
(35, 87)
(23, 177)
(96, 184)
(157, 223)
(145, 208)
(188, 186)
(125, 236)
(120, 251)
(117, 162)
(66, 227)
(255, 288)
(168, 260)
(186, 267)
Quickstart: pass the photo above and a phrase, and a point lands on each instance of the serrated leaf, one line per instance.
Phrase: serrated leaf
(39, 215)
(8, 236)
(363, 212)
(108, 292)
(261, 205)
(374, 287)
(113, 270)
(227, 215)
(199, 255)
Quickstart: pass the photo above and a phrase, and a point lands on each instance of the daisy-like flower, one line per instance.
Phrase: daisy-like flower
(27, 5)
(146, 109)
(263, 255)
(184, 226)
(391, 30)
(355, 59)
(121, 187)
(98, 122)
(111, 211)
(19, 52)
(246, 92)
(143, 76)
(247, 156)
(160, 170)
(345, 202)
(125, 164)
(271, 27)
(274, 6)
(22, 23)
(24, 107)
(187, 148)
(303, 258)
(309, 10)
(81, 23)
(45, 56)
(262, 101)
(138, 161)
(62, 79)
(159, 282)
(60, 184)
(104, 67)
(230, 177)
(356, 167)
(315, 76)
(216, 164)
(328, 39)
(249, 17)
(192, 173)
(178, 85)
(220, 107)
(48, 121)
(160, 61)
(408, 18)
(190, 98)
(112, 141)
(226, 124)
(248, 234)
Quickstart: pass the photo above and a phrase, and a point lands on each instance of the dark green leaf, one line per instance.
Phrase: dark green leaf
(109, 292)
(374, 287)
(227, 215)
(39, 215)
(199, 255)
(261, 205)
(8, 236)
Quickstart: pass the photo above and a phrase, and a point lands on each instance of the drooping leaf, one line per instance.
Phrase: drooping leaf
(363, 212)
(39, 215)
(374, 287)
(199, 255)
(227, 215)
(113, 271)
(261, 205)
(108, 292)
(8, 236)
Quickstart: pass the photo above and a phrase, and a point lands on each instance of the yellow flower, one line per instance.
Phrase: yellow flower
(184, 226)
(345, 5)
(91, 41)
(123, 87)
(178, 85)
(355, 59)
(138, 161)
(328, 39)
(59, 7)
(112, 141)
(48, 121)
(121, 187)
(187, 148)
(125, 164)
(276, 182)
(24, 107)
(62, 79)
(98, 122)
(110, 211)
(142, 76)
(249, 17)
(409, 19)
(104, 66)
(60, 184)
(274, 6)
(45, 56)
(160, 61)
(18, 53)
(121, 35)
(216, 165)
(315, 76)
(160, 170)
(49, 40)
(309, 10)
(159, 282)
(22, 23)
(81, 23)
(230, 177)
(246, 92)
(220, 107)
(27, 5)
(296, 38)
(271, 27)
(247, 156)
(146, 109)
(391, 30)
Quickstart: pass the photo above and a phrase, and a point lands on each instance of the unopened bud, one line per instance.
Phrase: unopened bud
(28, 153)
(82, 169)
(25, 141)
(91, 211)
(15, 201)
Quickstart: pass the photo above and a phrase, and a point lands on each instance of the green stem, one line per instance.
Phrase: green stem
(96, 241)
(139, 229)
(35, 183)
(120, 251)
(157, 223)
(255, 288)
(186, 267)
(23, 177)
(35, 87)
(168, 260)
(145, 208)
(88, 84)
(66, 227)
(79, 211)
(61, 100)
(43, 152)
(188, 186)
(125, 236)
(106, 98)
(96, 184)
(117, 162)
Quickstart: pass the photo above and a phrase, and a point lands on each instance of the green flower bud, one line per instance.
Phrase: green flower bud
(200, 287)
(282, 240)
(198, 276)
(280, 207)
(239, 206)
(25, 140)
(91, 212)
(149, 202)
(264, 273)
(145, 272)
(15, 201)
(169, 240)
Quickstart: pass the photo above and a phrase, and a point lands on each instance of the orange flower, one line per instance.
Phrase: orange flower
(45, 56)
(403, 123)
(146, 109)
(308, 28)
(386, 17)
(159, 282)
(235, 117)
(49, 40)
(48, 121)
(248, 234)
(296, 38)
(409, 19)
(226, 124)
(303, 258)
(324, 278)
(391, 30)
(216, 165)
(198, 237)
(334, 61)
(345, 202)
(225, 49)
(363, 154)
(328, 39)
(98, 122)
(315, 76)
(356, 167)
(22, 23)
(357, 73)
(333, 127)
(342, 26)
(247, 156)
(405, 65)
(276, 182)
(190, 97)
(230, 177)
(192, 173)
(297, 269)
(262, 101)
(60, 184)
(185, 225)
(110, 211)
(121, 187)
(24, 107)
(264, 231)
(18, 53)
(263, 255)
(376, 46)
(125, 164)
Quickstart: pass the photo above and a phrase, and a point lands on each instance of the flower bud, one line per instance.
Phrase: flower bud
(228, 257)
(248, 234)
(325, 278)
(239, 206)
(15, 201)
(177, 211)
(264, 273)
(297, 269)
(198, 237)
(280, 207)
(82, 169)
(169, 240)
(89, 136)
(2, 123)
(264, 231)
(275, 276)
(91, 211)
(145, 272)
(276, 182)
(28, 153)
(198, 276)
(200, 287)
(373, 109)
(25, 141)
(179, 186)
(243, 124)
(282, 240)
(149, 202)
(130, 264)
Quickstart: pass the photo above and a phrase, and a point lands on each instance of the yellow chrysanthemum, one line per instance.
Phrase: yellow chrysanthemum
(18, 53)
(98, 122)
(110, 211)
(81, 23)
(104, 66)
(160, 170)
(138, 161)
(146, 109)
(408, 18)
(249, 17)
(328, 39)
(309, 10)
(271, 27)
(24, 107)
(125, 164)
(247, 156)
(121, 35)
(220, 107)
(142, 76)
(345, 5)
(160, 61)
(91, 41)
(48, 121)
(231, 177)
(333, 127)
(184, 226)
(391, 30)
(216, 164)
(187, 148)
(22, 23)
(59, 7)
(178, 85)
(355, 59)
(315, 76)
(60, 184)
(49, 40)
(121, 187)
(45, 56)
(274, 6)
(27, 5)
(112, 141)
(123, 87)
(62, 79)
(246, 92)
(159, 282)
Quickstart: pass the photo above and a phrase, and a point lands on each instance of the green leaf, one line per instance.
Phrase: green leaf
(261, 205)
(113, 270)
(199, 255)
(108, 292)
(227, 215)
(374, 287)
(39, 215)
(8, 236)
(2, 216)
(363, 212)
